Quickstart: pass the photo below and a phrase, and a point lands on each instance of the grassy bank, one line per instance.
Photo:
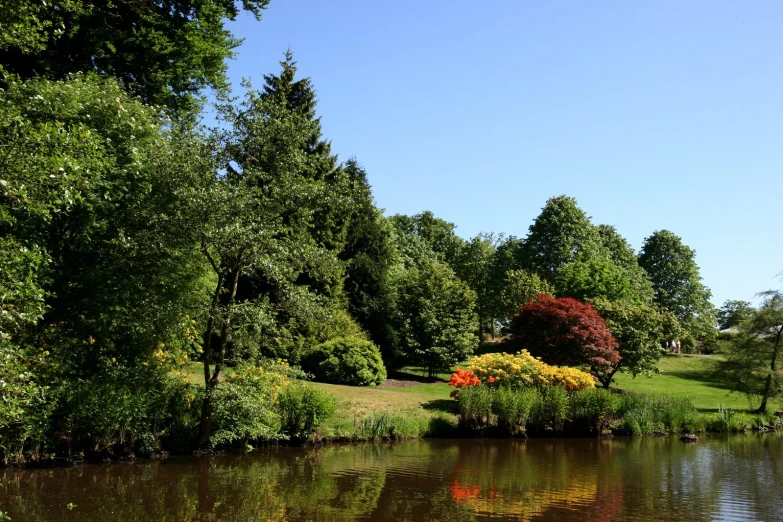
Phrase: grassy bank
(689, 376)
(682, 376)
(412, 408)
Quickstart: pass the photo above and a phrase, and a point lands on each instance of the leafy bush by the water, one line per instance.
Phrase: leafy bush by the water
(593, 409)
(513, 408)
(122, 407)
(524, 370)
(346, 361)
(244, 406)
(551, 409)
(382, 426)
(648, 414)
(303, 409)
(475, 405)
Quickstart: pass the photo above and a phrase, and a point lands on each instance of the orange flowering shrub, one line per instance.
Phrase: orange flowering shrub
(523, 369)
(461, 379)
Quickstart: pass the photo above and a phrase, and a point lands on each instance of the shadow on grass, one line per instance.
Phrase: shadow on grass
(442, 405)
(407, 376)
(697, 376)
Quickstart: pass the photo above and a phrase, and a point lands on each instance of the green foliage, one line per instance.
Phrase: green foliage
(592, 410)
(244, 407)
(370, 255)
(122, 406)
(639, 330)
(303, 409)
(551, 409)
(732, 313)
(165, 52)
(513, 407)
(475, 406)
(434, 314)
(388, 426)
(752, 364)
(438, 235)
(26, 26)
(87, 162)
(651, 414)
(590, 277)
(672, 268)
(519, 287)
(560, 232)
(475, 265)
(346, 361)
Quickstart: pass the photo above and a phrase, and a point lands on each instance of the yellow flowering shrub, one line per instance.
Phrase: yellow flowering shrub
(522, 369)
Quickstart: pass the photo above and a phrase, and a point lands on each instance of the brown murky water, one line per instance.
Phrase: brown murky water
(720, 478)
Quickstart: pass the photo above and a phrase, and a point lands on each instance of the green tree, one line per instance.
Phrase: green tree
(87, 187)
(752, 364)
(733, 313)
(639, 330)
(370, 255)
(435, 310)
(94, 281)
(520, 287)
(588, 277)
(249, 212)
(475, 265)
(165, 51)
(560, 232)
(345, 187)
(439, 235)
(674, 273)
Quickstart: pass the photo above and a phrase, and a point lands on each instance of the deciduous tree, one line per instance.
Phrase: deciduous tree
(564, 331)
(557, 235)
(165, 51)
(733, 313)
(639, 330)
(752, 364)
(674, 273)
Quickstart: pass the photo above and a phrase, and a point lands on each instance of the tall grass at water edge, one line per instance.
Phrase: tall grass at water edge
(553, 411)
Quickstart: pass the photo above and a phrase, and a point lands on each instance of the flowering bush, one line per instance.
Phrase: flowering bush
(524, 370)
(461, 379)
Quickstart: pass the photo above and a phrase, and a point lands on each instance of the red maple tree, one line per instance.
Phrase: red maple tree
(563, 331)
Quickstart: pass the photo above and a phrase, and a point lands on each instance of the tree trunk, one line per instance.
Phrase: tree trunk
(212, 381)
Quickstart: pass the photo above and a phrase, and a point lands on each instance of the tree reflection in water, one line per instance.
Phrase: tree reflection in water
(731, 478)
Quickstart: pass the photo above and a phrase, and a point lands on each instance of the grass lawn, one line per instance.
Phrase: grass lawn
(687, 376)
(681, 375)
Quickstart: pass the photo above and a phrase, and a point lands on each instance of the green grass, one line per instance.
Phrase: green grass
(687, 376)
(420, 403)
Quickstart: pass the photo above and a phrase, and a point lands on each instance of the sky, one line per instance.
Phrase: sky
(653, 115)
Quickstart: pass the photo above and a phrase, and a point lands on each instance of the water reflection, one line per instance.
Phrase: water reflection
(720, 478)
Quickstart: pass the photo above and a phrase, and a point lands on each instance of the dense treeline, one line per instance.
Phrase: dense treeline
(134, 243)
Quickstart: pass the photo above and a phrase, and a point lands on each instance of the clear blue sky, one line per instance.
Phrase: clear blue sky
(652, 115)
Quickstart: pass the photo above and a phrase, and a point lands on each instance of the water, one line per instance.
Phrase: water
(720, 478)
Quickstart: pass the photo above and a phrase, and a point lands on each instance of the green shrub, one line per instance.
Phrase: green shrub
(303, 409)
(390, 426)
(346, 361)
(475, 406)
(551, 410)
(124, 406)
(244, 407)
(593, 409)
(513, 407)
(647, 414)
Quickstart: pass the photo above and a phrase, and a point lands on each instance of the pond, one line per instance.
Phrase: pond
(719, 478)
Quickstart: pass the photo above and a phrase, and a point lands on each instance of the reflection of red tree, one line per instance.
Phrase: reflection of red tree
(607, 506)
(462, 494)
